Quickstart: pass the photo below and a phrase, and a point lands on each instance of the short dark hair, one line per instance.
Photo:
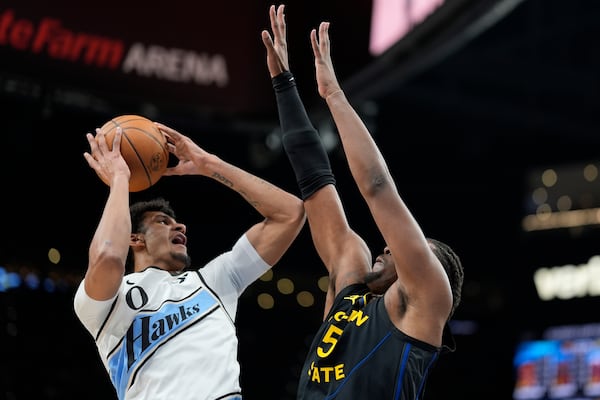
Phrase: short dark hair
(138, 209)
(137, 212)
(453, 266)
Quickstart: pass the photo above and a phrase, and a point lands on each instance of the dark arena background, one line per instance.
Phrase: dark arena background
(486, 111)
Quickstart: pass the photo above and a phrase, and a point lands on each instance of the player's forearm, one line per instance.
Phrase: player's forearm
(110, 244)
(269, 200)
(301, 141)
(364, 157)
(114, 229)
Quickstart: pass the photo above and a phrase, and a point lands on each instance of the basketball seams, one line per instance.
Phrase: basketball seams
(144, 146)
(149, 135)
(138, 157)
(125, 119)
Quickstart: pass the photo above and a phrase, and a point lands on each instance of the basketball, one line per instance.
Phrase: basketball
(143, 146)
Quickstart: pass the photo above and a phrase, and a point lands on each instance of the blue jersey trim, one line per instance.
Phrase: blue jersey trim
(358, 365)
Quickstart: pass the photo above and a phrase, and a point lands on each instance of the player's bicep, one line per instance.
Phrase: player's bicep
(103, 278)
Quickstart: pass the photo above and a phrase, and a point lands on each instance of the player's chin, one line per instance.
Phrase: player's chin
(373, 276)
(182, 257)
(377, 267)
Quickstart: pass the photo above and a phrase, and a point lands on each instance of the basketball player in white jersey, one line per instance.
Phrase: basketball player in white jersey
(164, 329)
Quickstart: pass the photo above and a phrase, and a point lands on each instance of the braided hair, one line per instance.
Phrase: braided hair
(453, 267)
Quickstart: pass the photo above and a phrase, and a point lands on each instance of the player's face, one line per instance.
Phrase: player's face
(165, 241)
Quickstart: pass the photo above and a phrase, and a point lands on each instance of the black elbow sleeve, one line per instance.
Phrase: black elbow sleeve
(301, 140)
(309, 160)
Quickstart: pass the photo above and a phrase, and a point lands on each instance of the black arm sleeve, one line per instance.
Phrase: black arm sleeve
(301, 140)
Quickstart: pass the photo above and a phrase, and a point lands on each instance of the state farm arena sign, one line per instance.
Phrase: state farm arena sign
(96, 55)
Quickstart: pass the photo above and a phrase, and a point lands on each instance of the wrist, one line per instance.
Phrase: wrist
(335, 93)
(283, 81)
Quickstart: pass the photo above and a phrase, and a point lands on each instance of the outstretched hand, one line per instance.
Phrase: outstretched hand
(277, 53)
(326, 80)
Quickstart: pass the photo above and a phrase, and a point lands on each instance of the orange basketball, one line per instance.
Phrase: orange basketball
(143, 146)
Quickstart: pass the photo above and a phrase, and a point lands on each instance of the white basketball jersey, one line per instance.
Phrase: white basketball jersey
(173, 337)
